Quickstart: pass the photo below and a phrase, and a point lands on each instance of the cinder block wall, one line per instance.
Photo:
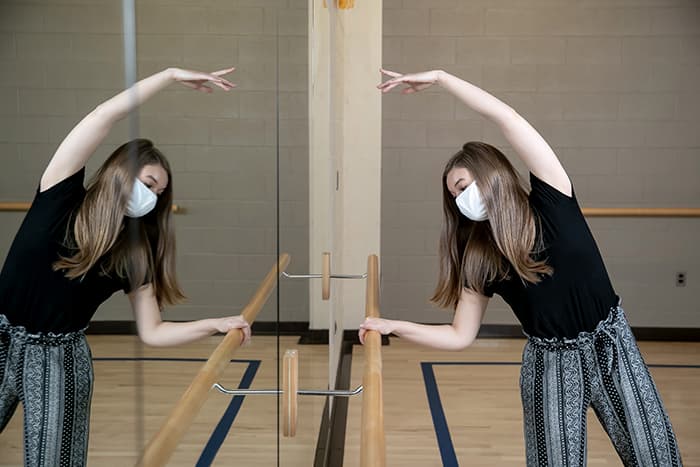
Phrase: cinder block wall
(59, 59)
(612, 85)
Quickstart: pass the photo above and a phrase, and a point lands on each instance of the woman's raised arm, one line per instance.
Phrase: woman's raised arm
(82, 141)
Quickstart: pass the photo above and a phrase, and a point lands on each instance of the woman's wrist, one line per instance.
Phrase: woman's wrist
(170, 73)
(209, 326)
(441, 75)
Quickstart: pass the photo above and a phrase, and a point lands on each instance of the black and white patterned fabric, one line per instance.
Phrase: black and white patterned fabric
(52, 375)
(604, 370)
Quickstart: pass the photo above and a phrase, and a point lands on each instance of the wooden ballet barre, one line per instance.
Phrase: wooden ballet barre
(590, 212)
(162, 445)
(641, 212)
(22, 206)
(372, 442)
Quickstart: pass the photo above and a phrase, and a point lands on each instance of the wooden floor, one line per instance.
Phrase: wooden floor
(481, 404)
(131, 399)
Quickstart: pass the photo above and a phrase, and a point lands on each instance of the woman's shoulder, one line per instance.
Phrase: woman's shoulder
(547, 200)
(54, 206)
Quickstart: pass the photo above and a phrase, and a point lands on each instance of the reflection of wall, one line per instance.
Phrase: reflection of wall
(611, 85)
(59, 60)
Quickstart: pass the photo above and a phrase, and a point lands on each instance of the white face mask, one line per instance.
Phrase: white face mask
(142, 200)
(471, 204)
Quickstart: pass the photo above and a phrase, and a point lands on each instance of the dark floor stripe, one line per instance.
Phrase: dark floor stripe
(162, 359)
(222, 428)
(442, 432)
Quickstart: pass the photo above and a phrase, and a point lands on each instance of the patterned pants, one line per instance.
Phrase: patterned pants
(52, 376)
(603, 369)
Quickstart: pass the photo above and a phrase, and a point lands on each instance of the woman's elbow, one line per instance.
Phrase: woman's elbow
(464, 343)
(150, 337)
(461, 342)
(147, 339)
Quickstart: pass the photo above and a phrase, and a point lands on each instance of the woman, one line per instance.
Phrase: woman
(74, 249)
(537, 252)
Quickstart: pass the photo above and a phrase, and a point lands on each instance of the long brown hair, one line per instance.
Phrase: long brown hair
(138, 250)
(473, 254)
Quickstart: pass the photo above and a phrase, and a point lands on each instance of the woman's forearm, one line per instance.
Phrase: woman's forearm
(119, 106)
(437, 336)
(483, 103)
(168, 333)
(82, 141)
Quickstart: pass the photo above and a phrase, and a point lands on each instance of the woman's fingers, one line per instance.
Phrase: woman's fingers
(223, 72)
(361, 334)
(414, 82)
(225, 85)
(393, 74)
(197, 85)
(388, 85)
(371, 324)
(223, 81)
(240, 323)
(246, 334)
(198, 80)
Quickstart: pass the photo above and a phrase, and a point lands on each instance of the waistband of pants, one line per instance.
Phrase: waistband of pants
(605, 326)
(41, 338)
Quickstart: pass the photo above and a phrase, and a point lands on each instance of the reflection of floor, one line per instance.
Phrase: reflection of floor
(123, 401)
(480, 402)
(479, 396)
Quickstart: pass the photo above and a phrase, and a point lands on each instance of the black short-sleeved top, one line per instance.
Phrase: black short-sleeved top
(579, 293)
(32, 294)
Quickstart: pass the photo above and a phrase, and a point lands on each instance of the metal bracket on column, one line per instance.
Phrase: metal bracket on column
(326, 276)
(301, 392)
(289, 392)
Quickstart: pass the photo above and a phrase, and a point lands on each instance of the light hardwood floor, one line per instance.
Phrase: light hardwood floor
(481, 404)
(130, 403)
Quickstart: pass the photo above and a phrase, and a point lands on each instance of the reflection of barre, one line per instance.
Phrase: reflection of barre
(162, 445)
(289, 392)
(22, 206)
(325, 275)
(301, 392)
(372, 444)
(590, 212)
(641, 212)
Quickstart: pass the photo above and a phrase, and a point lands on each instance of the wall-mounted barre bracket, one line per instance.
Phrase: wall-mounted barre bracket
(301, 392)
(289, 392)
(326, 276)
(319, 276)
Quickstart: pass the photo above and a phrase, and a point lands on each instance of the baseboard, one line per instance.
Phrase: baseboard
(320, 336)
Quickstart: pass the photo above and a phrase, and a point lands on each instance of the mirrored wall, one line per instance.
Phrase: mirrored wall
(239, 161)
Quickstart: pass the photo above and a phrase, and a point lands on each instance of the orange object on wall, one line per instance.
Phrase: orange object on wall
(341, 4)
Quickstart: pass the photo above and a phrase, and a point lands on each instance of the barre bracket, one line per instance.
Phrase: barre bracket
(326, 276)
(289, 392)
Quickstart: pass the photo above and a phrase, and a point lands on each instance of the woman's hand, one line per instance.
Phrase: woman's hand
(381, 325)
(224, 325)
(198, 80)
(414, 82)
